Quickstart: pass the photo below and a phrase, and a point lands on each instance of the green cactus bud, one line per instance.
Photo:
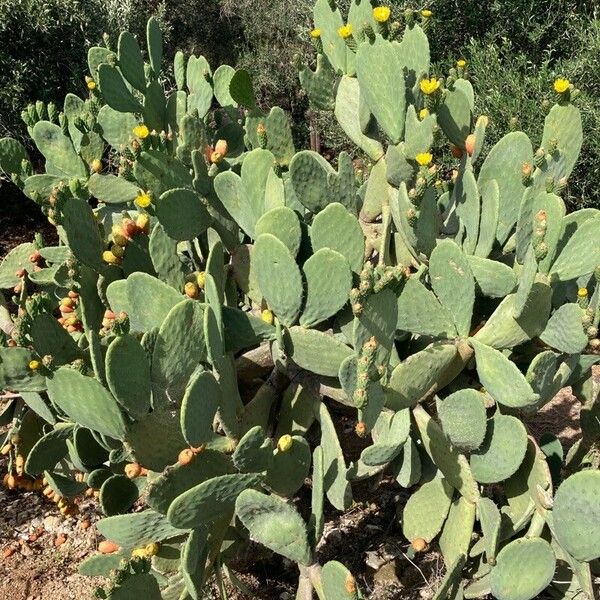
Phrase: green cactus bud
(560, 185)
(526, 173)
(582, 297)
(370, 32)
(26, 118)
(40, 109)
(541, 251)
(32, 113)
(76, 187)
(121, 324)
(52, 112)
(540, 157)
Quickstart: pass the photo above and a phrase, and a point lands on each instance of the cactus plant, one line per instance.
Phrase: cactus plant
(199, 252)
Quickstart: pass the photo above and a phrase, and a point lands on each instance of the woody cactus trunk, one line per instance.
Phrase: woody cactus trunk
(215, 292)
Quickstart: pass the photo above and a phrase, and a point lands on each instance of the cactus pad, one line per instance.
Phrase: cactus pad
(275, 524)
(523, 569)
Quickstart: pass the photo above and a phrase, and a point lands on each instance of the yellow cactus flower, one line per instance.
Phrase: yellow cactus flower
(382, 14)
(285, 443)
(201, 279)
(429, 86)
(345, 31)
(423, 113)
(141, 131)
(424, 158)
(139, 553)
(461, 63)
(267, 316)
(562, 85)
(143, 199)
(90, 84)
(582, 292)
(34, 365)
(315, 34)
(426, 14)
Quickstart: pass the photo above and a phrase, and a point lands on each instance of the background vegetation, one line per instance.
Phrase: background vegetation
(515, 48)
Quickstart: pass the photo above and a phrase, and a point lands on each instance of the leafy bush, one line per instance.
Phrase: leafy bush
(215, 292)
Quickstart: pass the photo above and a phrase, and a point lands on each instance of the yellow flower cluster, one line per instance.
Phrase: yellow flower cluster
(429, 86)
(315, 33)
(561, 85)
(424, 158)
(382, 14)
(426, 14)
(423, 113)
(461, 63)
(345, 31)
(141, 131)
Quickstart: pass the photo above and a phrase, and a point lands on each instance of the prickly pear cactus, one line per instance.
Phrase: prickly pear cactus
(215, 295)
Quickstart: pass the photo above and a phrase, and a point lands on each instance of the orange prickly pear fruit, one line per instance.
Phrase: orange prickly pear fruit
(107, 547)
(185, 457)
(419, 544)
(191, 290)
(133, 470)
(470, 144)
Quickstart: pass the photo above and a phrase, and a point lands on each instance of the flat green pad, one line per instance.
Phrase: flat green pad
(328, 284)
(426, 510)
(463, 418)
(177, 479)
(138, 529)
(182, 214)
(100, 411)
(284, 224)
(48, 450)
(576, 515)
(128, 375)
(523, 569)
(132, 296)
(564, 331)
(450, 462)
(275, 524)
(316, 351)
(64, 486)
(200, 403)
(179, 347)
(453, 283)
(338, 582)
(117, 495)
(413, 378)
(502, 452)
(334, 227)
(272, 264)
(289, 469)
(501, 377)
(209, 500)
